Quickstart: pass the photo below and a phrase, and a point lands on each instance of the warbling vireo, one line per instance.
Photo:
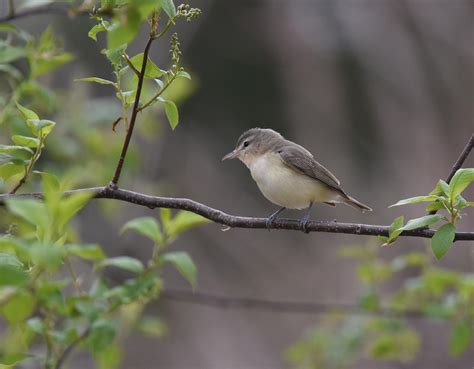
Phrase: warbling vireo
(287, 174)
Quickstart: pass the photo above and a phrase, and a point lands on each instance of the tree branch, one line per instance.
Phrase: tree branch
(232, 221)
(227, 302)
(52, 9)
(47, 9)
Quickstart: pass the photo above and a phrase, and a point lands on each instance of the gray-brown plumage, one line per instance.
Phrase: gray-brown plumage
(287, 173)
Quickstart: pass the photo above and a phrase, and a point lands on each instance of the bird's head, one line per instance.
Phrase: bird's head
(254, 143)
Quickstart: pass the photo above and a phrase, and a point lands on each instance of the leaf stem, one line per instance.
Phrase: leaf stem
(30, 166)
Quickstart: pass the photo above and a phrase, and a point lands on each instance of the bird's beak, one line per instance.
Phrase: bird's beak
(231, 155)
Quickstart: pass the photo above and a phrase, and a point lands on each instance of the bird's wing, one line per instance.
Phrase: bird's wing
(300, 159)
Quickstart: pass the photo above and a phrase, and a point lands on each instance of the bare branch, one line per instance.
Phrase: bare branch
(232, 221)
(52, 9)
(227, 302)
(47, 9)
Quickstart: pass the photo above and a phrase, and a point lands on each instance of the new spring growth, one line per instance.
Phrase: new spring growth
(174, 50)
(184, 10)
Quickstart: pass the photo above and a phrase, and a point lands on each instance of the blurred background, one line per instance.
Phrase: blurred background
(380, 91)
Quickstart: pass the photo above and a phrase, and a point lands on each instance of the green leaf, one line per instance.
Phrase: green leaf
(183, 74)
(10, 53)
(147, 226)
(40, 127)
(171, 113)
(183, 263)
(96, 80)
(183, 221)
(421, 222)
(47, 256)
(415, 200)
(169, 8)
(441, 189)
(151, 71)
(11, 148)
(460, 181)
(101, 336)
(12, 271)
(9, 170)
(123, 32)
(461, 337)
(394, 230)
(86, 252)
(19, 307)
(443, 240)
(165, 216)
(12, 71)
(26, 113)
(95, 30)
(70, 206)
(33, 211)
(25, 141)
(435, 206)
(45, 65)
(123, 262)
(114, 55)
(51, 184)
(152, 327)
(370, 301)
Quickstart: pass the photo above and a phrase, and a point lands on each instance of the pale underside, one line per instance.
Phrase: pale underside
(286, 187)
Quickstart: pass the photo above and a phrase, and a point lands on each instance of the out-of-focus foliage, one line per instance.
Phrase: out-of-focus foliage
(383, 328)
(47, 306)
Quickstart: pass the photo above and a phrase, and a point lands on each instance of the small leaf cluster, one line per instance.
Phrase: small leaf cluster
(23, 59)
(121, 30)
(381, 330)
(444, 197)
(19, 159)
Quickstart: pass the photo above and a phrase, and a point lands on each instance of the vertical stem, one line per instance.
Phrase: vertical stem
(11, 8)
(133, 118)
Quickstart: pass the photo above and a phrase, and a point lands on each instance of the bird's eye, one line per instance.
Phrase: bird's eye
(246, 143)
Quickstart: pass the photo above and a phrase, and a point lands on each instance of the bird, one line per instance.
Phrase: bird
(288, 175)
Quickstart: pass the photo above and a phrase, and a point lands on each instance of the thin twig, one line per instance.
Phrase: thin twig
(232, 221)
(458, 164)
(69, 349)
(136, 103)
(227, 302)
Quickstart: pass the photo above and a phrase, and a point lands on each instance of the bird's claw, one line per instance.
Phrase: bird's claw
(269, 222)
(304, 224)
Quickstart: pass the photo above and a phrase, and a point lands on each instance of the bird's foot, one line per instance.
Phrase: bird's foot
(271, 219)
(269, 222)
(304, 223)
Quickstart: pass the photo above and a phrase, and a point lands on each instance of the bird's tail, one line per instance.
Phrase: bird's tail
(356, 204)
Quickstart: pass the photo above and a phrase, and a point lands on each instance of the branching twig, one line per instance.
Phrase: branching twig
(227, 302)
(135, 111)
(218, 216)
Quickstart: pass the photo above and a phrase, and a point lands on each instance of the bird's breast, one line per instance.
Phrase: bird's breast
(284, 186)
